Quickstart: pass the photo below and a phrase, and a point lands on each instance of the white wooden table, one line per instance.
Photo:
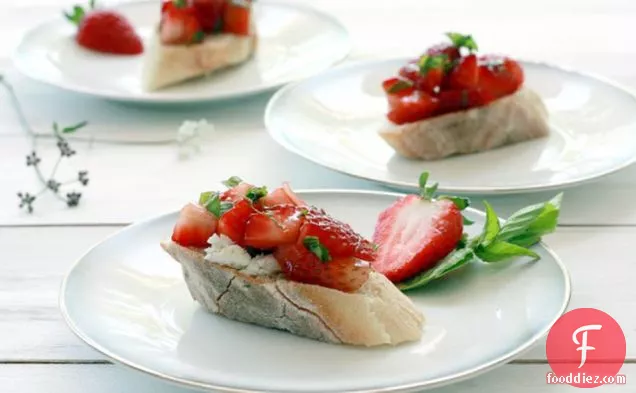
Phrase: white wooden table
(130, 181)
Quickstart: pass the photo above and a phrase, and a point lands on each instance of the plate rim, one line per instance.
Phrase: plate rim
(17, 62)
(277, 136)
(408, 387)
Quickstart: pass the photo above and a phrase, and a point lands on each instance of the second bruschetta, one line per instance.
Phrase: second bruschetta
(451, 101)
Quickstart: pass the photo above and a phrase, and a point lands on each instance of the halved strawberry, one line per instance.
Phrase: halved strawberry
(414, 234)
(194, 226)
(339, 238)
(273, 227)
(232, 223)
(411, 108)
(346, 274)
(282, 196)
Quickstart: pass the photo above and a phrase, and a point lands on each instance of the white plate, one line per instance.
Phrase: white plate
(294, 42)
(332, 119)
(127, 299)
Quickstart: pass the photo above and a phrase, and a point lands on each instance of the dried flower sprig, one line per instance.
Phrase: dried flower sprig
(50, 183)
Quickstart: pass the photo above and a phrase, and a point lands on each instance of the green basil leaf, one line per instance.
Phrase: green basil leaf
(532, 221)
(73, 128)
(232, 182)
(427, 63)
(400, 85)
(312, 243)
(453, 261)
(491, 227)
(212, 202)
(499, 251)
(463, 41)
(225, 206)
(467, 221)
(256, 193)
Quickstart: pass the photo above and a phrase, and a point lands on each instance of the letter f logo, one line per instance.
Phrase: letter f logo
(584, 347)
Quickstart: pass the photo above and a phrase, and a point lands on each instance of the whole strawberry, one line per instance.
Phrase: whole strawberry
(105, 31)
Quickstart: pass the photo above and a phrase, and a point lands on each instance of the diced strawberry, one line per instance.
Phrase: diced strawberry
(399, 87)
(179, 24)
(236, 193)
(451, 51)
(465, 75)
(344, 274)
(281, 196)
(458, 100)
(236, 19)
(210, 13)
(339, 238)
(431, 81)
(232, 224)
(412, 108)
(273, 227)
(410, 71)
(499, 77)
(194, 226)
(414, 234)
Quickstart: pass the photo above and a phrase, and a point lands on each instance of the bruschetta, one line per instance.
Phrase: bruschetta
(452, 101)
(269, 259)
(195, 38)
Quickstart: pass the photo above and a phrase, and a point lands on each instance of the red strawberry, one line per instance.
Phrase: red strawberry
(273, 227)
(281, 196)
(232, 223)
(236, 19)
(414, 234)
(499, 76)
(236, 193)
(105, 31)
(210, 13)
(431, 81)
(339, 238)
(465, 75)
(451, 51)
(398, 87)
(299, 264)
(194, 226)
(411, 108)
(179, 24)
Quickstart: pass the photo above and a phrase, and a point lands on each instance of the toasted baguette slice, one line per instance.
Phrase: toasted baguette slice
(377, 314)
(166, 65)
(516, 118)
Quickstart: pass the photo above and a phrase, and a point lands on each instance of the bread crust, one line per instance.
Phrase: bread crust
(516, 118)
(377, 314)
(166, 65)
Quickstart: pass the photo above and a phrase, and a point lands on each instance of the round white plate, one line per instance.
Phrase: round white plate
(127, 299)
(332, 119)
(294, 42)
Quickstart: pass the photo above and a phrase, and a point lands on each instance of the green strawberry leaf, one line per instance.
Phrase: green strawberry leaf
(76, 15)
(461, 203)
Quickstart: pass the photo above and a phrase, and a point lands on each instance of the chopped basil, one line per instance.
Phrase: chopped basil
(232, 182)
(462, 41)
(400, 85)
(312, 243)
(427, 63)
(199, 36)
(256, 193)
(212, 202)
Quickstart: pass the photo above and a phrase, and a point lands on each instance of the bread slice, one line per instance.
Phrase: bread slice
(166, 65)
(516, 118)
(377, 314)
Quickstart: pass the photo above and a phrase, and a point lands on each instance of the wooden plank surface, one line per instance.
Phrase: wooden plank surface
(31, 277)
(116, 379)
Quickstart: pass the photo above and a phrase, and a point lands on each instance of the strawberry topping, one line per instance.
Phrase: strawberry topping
(342, 273)
(194, 226)
(105, 31)
(233, 222)
(449, 78)
(276, 225)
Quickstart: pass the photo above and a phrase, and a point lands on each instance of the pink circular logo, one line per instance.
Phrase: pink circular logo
(585, 348)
